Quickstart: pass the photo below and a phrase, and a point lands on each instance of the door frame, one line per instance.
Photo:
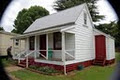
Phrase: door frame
(32, 43)
(42, 44)
(98, 47)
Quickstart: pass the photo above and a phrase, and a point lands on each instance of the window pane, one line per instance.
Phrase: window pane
(57, 40)
(31, 42)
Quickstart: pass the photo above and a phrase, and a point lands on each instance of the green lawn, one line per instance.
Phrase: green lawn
(117, 56)
(89, 73)
(7, 63)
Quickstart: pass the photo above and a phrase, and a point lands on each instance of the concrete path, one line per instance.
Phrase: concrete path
(11, 69)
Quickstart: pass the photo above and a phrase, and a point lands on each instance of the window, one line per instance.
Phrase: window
(85, 18)
(31, 42)
(57, 41)
(17, 42)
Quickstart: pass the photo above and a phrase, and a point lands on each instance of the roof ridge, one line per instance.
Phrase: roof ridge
(61, 11)
(80, 12)
(61, 17)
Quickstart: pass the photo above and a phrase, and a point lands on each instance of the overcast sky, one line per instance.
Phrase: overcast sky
(17, 5)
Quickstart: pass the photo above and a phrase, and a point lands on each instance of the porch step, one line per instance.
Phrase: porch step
(23, 62)
(99, 62)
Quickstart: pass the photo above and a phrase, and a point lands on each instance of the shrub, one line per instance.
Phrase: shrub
(33, 67)
(46, 69)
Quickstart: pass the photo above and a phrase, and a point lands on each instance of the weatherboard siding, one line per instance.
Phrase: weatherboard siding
(84, 38)
(110, 48)
(5, 43)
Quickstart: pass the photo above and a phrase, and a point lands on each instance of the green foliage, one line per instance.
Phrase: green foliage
(117, 57)
(1, 29)
(27, 16)
(8, 63)
(46, 69)
(113, 29)
(33, 67)
(64, 4)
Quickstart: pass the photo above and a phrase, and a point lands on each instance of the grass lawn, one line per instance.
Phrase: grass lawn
(89, 73)
(117, 56)
(8, 63)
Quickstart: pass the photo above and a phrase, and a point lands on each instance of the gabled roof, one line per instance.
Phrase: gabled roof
(63, 17)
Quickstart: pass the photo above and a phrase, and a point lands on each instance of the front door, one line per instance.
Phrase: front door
(100, 47)
(43, 44)
(31, 42)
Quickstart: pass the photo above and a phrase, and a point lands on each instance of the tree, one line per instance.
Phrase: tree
(108, 28)
(1, 29)
(64, 4)
(117, 36)
(27, 16)
(112, 28)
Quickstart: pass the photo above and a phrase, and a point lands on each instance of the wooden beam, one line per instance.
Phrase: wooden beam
(47, 45)
(35, 46)
(19, 45)
(13, 46)
(27, 45)
(63, 51)
(63, 46)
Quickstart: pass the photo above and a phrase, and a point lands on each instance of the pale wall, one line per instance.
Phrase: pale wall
(18, 48)
(84, 39)
(110, 48)
(6, 41)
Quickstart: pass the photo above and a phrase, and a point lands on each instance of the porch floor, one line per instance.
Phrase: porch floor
(53, 59)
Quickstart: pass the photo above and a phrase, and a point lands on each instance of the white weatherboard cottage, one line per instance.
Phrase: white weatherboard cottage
(65, 40)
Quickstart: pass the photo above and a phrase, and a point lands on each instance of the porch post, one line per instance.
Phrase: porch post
(35, 46)
(63, 51)
(27, 44)
(20, 45)
(47, 45)
(13, 46)
(27, 48)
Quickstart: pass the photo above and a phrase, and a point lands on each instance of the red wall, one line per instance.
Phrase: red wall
(69, 67)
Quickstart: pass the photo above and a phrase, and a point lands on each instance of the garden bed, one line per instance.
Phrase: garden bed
(44, 70)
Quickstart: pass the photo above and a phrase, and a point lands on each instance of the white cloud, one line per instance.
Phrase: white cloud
(105, 9)
(17, 5)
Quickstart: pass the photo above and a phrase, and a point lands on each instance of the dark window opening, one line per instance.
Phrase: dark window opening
(85, 18)
(57, 41)
(17, 42)
(31, 42)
